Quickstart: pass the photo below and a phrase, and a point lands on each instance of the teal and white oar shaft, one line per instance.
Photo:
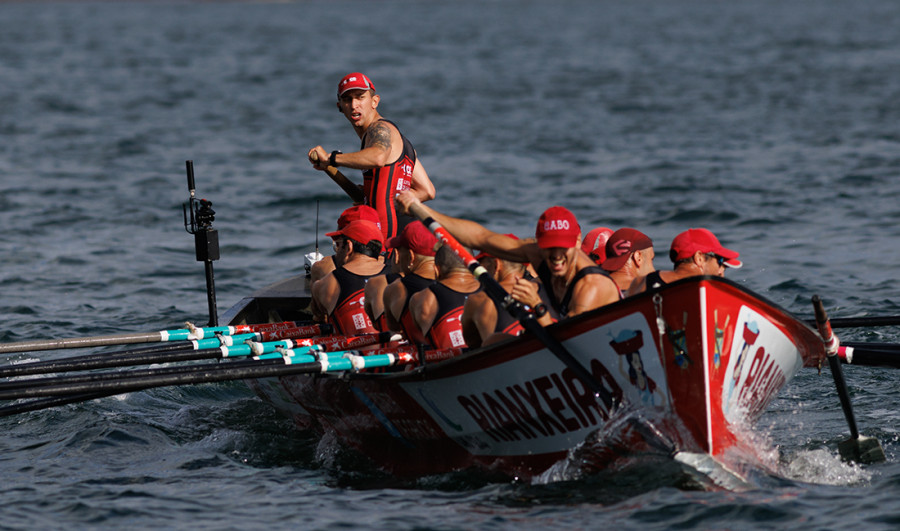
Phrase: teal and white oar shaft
(188, 334)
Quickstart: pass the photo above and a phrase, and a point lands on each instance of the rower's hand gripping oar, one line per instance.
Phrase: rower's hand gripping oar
(495, 291)
(351, 189)
(856, 448)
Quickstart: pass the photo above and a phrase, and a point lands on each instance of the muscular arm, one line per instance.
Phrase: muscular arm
(380, 140)
(374, 303)
(423, 306)
(472, 234)
(421, 184)
(324, 297)
(393, 298)
(320, 269)
(479, 318)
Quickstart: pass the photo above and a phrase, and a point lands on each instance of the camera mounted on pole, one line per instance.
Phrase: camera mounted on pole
(198, 219)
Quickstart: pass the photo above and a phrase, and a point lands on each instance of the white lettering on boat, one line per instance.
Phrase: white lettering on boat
(761, 360)
(545, 406)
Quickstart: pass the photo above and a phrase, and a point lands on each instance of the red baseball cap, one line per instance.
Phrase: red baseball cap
(557, 227)
(358, 212)
(416, 237)
(595, 243)
(621, 245)
(692, 240)
(355, 81)
(483, 254)
(360, 231)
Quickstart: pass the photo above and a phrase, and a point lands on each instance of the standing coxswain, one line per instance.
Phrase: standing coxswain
(389, 162)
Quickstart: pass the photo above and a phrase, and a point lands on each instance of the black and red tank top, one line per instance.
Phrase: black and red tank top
(381, 185)
(562, 306)
(349, 316)
(446, 329)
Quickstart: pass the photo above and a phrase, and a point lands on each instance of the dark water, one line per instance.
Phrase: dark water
(776, 124)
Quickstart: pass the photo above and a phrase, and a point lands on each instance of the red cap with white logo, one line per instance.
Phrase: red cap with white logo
(595, 243)
(355, 81)
(557, 227)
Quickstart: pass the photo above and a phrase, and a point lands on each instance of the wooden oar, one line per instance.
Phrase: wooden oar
(856, 448)
(57, 385)
(372, 359)
(248, 346)
(207, 373)
(861, 322)
(872, 345)
(860, 354)
(185, 334)
(155, 354)
(349, 188)
(147, 353)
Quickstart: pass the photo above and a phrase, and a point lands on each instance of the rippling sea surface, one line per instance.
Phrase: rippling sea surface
(774, 123)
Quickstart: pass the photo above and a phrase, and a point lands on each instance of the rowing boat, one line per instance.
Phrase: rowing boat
(689, 368)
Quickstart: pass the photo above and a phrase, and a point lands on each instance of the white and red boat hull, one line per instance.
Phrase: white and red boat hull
(703, 358)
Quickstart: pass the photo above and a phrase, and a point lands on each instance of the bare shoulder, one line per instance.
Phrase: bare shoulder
(378, 282)
(380, 134)
(476, 300)
(592, 291)
(321, 268)
(322, 285)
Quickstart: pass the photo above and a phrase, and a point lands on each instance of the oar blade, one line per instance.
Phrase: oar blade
(866, 450)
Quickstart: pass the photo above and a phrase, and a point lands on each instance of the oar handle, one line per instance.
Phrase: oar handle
(349, 188)
(831, 349)
(831, 341)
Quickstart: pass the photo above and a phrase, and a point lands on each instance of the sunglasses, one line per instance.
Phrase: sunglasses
(719, 260)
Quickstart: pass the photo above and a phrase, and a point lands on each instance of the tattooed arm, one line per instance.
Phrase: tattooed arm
(382, 146)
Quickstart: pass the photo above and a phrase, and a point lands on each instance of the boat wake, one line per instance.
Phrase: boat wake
(633, 442)
(823, 468)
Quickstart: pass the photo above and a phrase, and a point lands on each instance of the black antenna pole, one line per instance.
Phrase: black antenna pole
(206, 239)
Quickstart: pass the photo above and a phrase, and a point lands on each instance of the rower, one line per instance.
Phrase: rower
(694, 252)
(339, 296)
(485, 321)
(594, 244)
(414, 260)
(574, 282)
(437, 309)
(326, 265)
(629, 255)
(388, 160)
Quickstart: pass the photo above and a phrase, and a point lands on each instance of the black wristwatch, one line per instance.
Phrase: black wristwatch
(334, 154)
(540, 310)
